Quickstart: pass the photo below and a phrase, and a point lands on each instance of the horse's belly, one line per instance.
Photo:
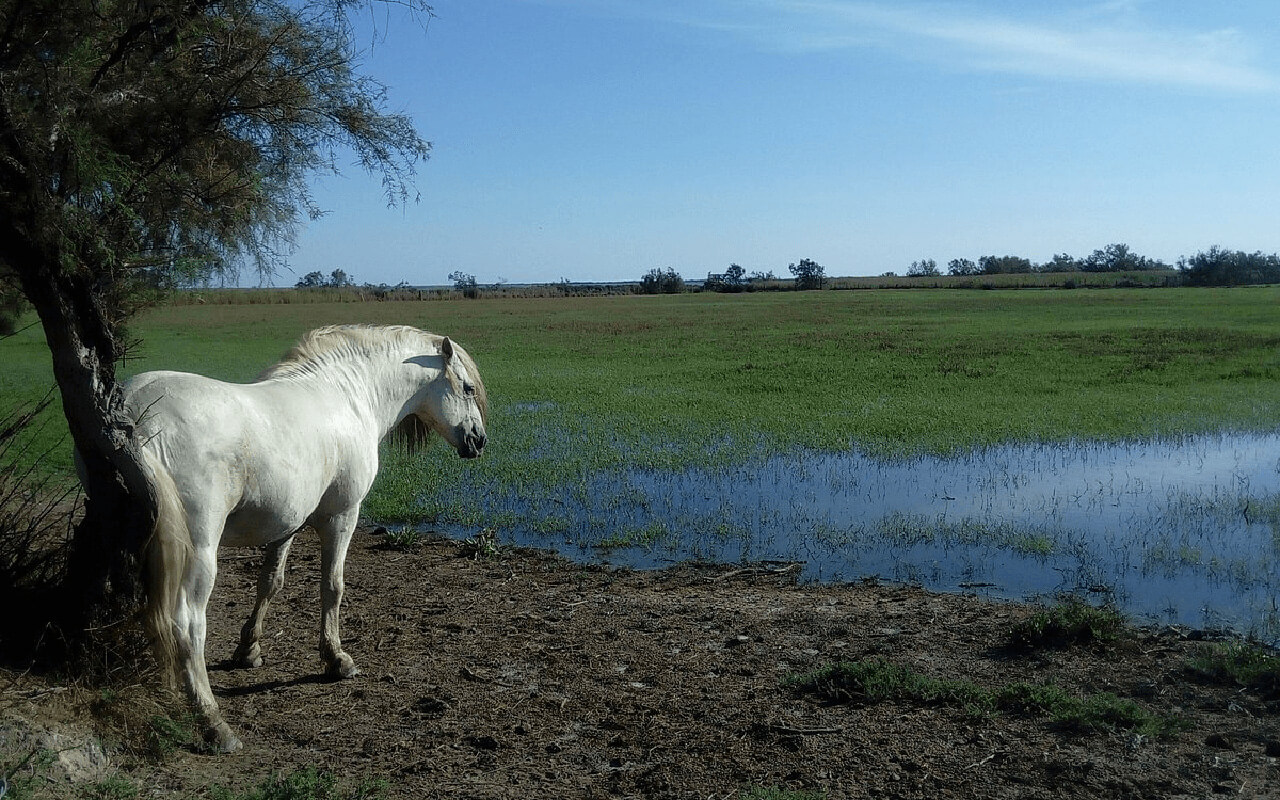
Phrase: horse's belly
(250, 527)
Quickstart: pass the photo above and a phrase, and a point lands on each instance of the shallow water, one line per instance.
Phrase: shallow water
(1183, 531)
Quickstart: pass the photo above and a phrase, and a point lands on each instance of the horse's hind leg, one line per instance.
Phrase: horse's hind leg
(189, 624)
(270, 580)
(335, 535)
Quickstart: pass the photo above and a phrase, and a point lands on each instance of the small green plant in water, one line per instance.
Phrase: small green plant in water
(1071, 622)
(483, 545)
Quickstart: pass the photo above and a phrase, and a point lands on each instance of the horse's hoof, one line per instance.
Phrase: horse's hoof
(251, 659)
(343, 667)
(220, 739)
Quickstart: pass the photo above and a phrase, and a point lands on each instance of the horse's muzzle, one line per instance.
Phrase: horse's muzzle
(472, 443)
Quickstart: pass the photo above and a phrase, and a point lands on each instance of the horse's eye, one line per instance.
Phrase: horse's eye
(468, 390)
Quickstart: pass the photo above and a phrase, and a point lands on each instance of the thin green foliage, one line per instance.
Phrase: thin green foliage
(26, 774)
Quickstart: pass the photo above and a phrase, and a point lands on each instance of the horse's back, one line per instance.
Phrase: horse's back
(178, 405)
(258, 455)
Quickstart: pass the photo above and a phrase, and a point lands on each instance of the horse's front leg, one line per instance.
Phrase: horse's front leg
(270, 581)
(335, 536)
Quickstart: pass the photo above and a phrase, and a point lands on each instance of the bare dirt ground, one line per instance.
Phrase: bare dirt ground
(524, 675)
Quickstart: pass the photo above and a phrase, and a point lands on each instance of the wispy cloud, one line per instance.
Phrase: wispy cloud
(1111, 41)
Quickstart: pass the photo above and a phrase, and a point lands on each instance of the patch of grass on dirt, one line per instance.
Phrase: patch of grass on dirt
(1071, 622)
(1240, 664)
(167, 734)
(305, 784)
(876, 681)
(26, 775)
(774, 793)
(113, 788)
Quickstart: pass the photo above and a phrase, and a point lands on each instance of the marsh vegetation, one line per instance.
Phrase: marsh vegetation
(1118, 443)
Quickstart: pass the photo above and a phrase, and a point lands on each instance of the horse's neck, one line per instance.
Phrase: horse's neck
(379, 390)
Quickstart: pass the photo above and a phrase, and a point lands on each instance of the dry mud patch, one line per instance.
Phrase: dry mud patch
(525, 675)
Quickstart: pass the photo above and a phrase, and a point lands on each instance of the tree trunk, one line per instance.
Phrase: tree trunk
(102, 586)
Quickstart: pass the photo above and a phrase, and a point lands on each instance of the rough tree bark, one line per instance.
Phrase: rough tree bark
(102, 579)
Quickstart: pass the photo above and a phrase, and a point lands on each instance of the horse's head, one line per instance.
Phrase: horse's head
(454, 404)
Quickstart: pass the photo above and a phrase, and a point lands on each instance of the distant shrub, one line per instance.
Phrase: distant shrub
(465, 284)
(732, 279)
(338, 279)
(1119, 258)
(1218, 266)
(658, 281)
(809, 274)
(1061, 262)
(1003, 265)
(924, 268)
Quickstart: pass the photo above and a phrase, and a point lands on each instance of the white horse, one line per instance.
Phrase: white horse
(251, 464)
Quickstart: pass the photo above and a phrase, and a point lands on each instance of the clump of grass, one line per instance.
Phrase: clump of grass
(876, 681)
(1068, 623)
(115, 787)
(166, 734)
(774, 793)
(305, 784)
(1239, 663)
(406, 539)
(647, 537)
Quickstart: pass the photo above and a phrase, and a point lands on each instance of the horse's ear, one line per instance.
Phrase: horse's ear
(446, 349)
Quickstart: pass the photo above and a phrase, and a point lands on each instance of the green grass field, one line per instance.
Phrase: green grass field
(584, 384)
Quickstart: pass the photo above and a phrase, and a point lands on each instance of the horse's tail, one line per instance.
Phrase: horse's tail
(167, 553)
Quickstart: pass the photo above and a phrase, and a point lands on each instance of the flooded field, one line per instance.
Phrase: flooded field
(1183, 531)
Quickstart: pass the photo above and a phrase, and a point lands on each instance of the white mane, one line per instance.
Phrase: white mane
(347, 343)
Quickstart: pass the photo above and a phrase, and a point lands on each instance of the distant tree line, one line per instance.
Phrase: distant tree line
(1112, 258)
(807, 273)
(1215, 267)
(1220, 267)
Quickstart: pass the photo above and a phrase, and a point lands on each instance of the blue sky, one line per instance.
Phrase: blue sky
(598, 139)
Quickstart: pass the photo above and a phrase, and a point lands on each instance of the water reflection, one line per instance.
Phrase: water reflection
(1183, 531)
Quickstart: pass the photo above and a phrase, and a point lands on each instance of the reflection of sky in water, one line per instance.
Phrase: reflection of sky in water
(1184, 531)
